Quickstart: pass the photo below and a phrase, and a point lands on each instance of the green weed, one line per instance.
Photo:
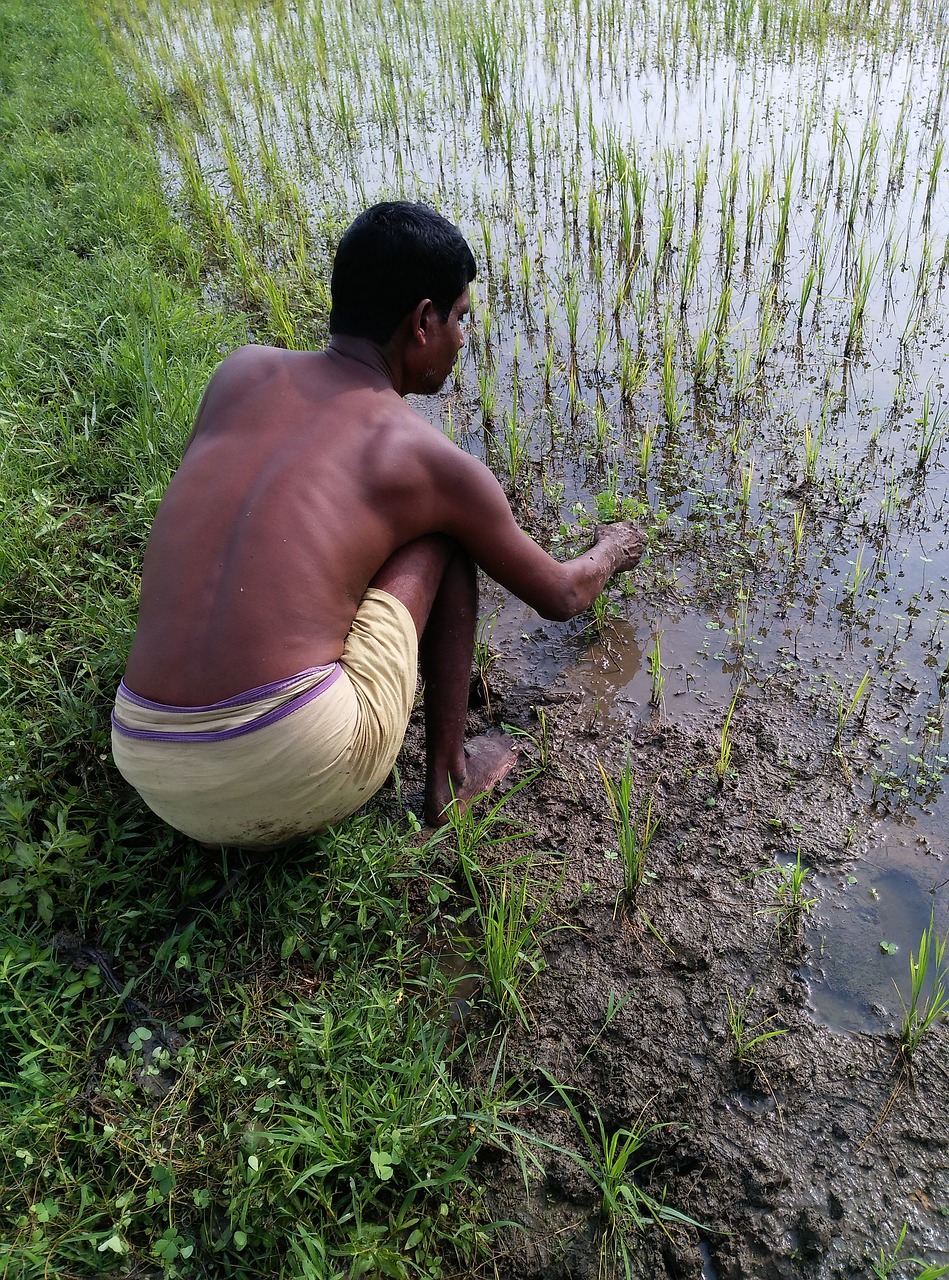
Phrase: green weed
(884, 1267)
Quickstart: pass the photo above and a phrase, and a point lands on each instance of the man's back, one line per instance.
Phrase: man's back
(304, 473)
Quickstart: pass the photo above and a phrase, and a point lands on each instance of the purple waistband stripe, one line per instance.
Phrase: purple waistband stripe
(242, 699)
(239, 699)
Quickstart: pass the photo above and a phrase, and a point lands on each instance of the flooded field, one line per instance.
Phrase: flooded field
(712, 251)
(713, 243)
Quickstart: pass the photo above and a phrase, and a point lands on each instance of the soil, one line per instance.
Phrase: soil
(804, 1160)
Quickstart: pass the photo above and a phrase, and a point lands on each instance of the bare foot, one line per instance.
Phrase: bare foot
(488, 759)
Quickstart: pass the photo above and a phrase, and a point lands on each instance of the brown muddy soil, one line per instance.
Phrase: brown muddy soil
(806, 1159)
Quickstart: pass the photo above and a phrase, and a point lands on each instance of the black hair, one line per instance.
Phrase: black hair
(388, 259)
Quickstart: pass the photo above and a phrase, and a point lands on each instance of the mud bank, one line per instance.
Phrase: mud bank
(803, 1157)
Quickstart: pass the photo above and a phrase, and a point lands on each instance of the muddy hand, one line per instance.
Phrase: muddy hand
(625, 540)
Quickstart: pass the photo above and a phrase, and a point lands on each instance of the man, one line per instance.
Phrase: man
(318, 538)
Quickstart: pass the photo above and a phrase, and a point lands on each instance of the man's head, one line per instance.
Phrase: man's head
(389, 259)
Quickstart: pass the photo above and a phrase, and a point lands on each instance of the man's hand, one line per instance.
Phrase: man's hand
(624, 541)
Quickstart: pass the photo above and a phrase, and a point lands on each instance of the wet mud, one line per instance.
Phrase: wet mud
(802, 1157)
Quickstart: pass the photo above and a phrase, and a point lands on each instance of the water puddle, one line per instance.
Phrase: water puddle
(866, 925)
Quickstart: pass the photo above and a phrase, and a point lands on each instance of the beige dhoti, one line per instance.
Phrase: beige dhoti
(287, 759)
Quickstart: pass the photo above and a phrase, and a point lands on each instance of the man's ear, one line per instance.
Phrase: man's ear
(422, 315)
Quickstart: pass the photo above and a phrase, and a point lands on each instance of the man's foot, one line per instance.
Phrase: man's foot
(488, 759)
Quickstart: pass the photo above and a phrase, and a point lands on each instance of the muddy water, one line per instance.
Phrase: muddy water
(867, 919)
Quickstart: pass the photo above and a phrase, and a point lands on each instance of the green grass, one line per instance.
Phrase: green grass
(289, 1102)
(618, 1163)
(309, 1124)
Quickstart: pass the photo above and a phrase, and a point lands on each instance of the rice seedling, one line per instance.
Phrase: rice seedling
(509, 903)
(657, 677)
(487, 394)
(645, 451)
(601, 428)
(540, 742)
(743, 376)
(855, 580)
(746, 482)
(690, 268)
(866, 264)
(812, 446)
(741, 620)
(797, 529)
(485, 656)
(846, 709)
(673, 404)
(514, 444)
(935, 166)
(699, 182)
(634, 827)
(722, 312)
(706, 351)
(633, 370)
(807, 289)
(784, 213)
(791, 903)
(928, 1002)
(748, 1038)
(724, 757)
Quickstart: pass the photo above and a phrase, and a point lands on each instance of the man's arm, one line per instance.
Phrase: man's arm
(477, 513)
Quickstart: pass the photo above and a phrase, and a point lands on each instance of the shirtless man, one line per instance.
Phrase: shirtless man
(318, 538)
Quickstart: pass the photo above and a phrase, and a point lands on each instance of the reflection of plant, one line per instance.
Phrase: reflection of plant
(928, 968)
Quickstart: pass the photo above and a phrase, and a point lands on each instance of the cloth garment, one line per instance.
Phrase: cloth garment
(283, 760)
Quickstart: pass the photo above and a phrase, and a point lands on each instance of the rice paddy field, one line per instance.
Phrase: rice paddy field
(712, 246)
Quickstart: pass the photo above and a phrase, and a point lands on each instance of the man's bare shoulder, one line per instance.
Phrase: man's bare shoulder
(428, 442)
(249, 363)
